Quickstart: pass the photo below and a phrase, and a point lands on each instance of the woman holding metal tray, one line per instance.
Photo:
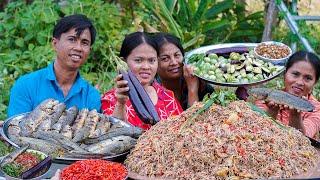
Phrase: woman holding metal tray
(175, 76)
(139, 52)
(301, 74)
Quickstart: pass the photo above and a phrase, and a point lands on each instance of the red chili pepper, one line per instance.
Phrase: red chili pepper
(281, 161)
(95, 170)
(241, 151)
(27, 160)
(232, 127)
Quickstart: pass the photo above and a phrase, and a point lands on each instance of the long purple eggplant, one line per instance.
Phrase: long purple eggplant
(226, 51)
(136, 102)
(31, 173)
(144, 97)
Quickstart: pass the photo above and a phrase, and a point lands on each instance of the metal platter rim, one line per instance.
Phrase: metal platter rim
(243, 84)
(204, 49)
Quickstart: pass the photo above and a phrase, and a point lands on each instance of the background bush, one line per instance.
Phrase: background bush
(25, 40)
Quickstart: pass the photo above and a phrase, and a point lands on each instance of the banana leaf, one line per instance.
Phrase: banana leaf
(218, 8)
(170, 4)
(216, 24)
(197, 18)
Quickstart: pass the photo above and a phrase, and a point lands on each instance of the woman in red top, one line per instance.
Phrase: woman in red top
(139, 52)
(302, 73)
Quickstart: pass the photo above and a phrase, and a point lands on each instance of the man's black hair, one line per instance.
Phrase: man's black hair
(78, 21)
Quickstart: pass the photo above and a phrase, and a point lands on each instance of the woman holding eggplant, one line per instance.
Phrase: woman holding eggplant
(175, 76)
(302, 73)
(139, 51)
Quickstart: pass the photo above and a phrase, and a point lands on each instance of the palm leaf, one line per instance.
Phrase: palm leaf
(216, 24)
(200, 12)
(193, 41)
(183, 15)
(170, 5)
(218, 8)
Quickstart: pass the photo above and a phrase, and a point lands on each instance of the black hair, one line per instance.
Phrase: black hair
(305, 56)
(162, 38)
(78, 21)
(133, 40)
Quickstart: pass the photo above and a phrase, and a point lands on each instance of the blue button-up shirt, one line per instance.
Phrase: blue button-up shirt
(31, 89)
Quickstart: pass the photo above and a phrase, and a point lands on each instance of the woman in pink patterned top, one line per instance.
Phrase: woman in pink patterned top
(302, 73)
(139, 51)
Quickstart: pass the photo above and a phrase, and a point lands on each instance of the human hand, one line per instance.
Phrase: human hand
(122, 89)
(56, 175)
(191, 80)
(273, 106)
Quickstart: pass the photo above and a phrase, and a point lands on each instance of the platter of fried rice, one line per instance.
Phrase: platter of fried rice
(232, 142)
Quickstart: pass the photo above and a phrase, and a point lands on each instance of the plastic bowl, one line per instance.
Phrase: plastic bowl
(280, 61)
(42, 176)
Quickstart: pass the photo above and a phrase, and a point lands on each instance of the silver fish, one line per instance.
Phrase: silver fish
(58, 125)
(132, 131)
(79, 121)
(281, 97)
(13, 131)
(53, 118)
(67, 131)
(55, 150)
(80, 155)
(88, 128)
(62, 140)
(113, 146)
(58, 110)
(103, 126)
(71, 116)
(66, 118)
(34, 119)
(14, 128)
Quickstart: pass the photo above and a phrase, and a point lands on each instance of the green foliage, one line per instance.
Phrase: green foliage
(26, 30)
(25, 40)
(202, 22)
(223, 96)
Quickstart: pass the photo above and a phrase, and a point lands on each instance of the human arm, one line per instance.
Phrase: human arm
(20, 99)
(121, 97)
(192, 84)
(311, 120)
(269, 107)
(295, 120)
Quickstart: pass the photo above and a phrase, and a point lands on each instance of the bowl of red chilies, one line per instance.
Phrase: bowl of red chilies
(94, 169)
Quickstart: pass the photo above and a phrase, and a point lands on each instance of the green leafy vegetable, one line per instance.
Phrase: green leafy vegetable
(12, 169)
(5, 149)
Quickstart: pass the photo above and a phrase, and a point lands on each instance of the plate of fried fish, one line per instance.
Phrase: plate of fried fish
(70, 134)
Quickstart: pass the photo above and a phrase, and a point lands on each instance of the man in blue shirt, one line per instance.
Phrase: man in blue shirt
(73, 37)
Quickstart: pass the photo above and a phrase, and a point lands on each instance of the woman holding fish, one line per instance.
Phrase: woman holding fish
(302, 73)
(139, 52)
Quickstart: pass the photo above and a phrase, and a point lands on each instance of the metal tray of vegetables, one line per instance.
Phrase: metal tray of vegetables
(232, 64)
